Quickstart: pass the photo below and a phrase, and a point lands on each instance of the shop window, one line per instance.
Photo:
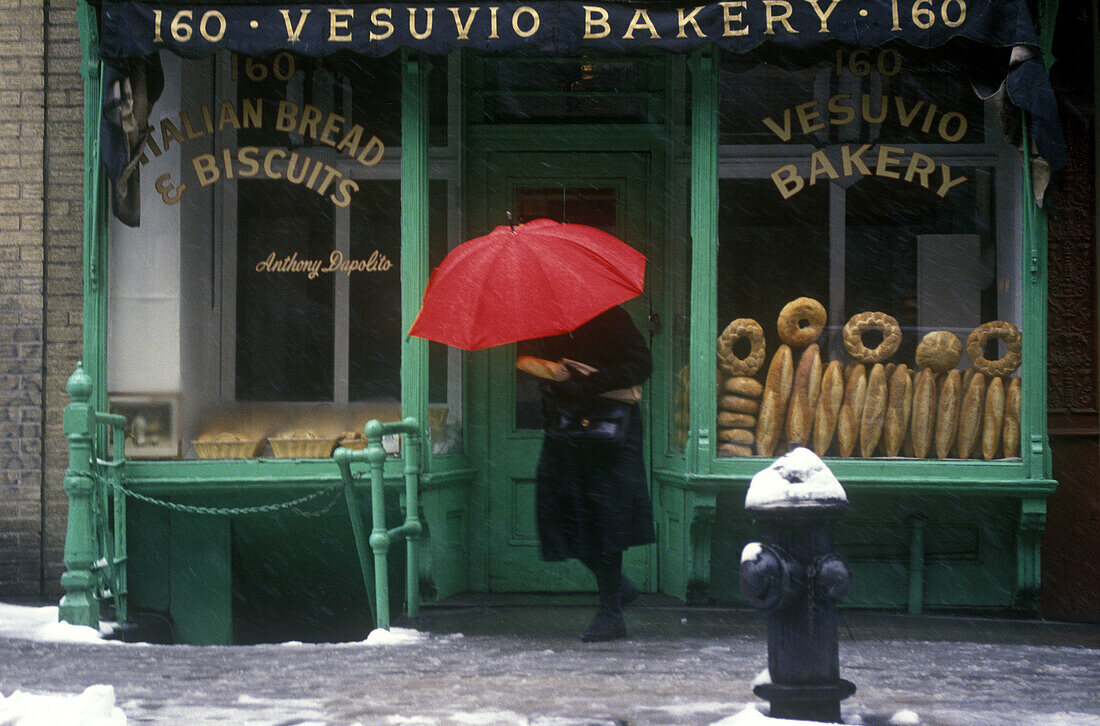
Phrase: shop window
(868, 265)
(261, 298)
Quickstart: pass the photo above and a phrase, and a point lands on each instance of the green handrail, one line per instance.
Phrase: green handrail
(376, 579)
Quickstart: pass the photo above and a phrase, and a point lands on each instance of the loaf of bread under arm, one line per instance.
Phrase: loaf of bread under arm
(828, 407)
(899, 408)
(804, 393)
(873, 416)
(947, 413)
(1011, 435)
(923, 421)
(993, 418)
(847, 425)
(773, 405)
(970, 416)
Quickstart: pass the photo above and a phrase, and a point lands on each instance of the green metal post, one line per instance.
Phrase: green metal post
(414, 230)
(379, 540)
(412, 528)
(343, 458)
(704, 251)
(79, 605)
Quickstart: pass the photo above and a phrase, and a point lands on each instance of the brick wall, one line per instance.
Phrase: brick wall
(40, 239)
(22, 126)
(63, 236)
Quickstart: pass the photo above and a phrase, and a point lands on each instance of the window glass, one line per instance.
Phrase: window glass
(868, 261)
(257, 307)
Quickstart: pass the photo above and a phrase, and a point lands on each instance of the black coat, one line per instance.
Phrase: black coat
(593, 498)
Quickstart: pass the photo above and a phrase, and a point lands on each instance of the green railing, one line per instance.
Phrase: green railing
(95, 538)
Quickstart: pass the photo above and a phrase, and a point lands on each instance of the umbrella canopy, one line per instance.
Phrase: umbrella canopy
(529, 281)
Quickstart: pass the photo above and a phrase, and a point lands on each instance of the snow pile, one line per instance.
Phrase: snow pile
(394, 636)
(94, 707)
(798, 479)
(41, 623)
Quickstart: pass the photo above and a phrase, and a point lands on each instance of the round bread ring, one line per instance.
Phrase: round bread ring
(750, 364)
(859, 324)
(995, 329)
(803, 309)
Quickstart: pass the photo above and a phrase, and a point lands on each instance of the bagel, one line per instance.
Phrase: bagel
(738, 404)
(725, 450)
(801, 321)
(736, 436)
(735, 420)
(940, 350)
(744, 386)
(735, 331)
(861, 323)
(996, 329)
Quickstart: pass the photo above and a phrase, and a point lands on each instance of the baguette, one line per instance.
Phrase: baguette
(541, 368)
(804, 394)
(899, 408)
(773, 407)
(970, 416)
(947, 414)
(993, 418)
(922, 424)
(847, 425)
(873, 415)
(828, 407)
(1011, 436)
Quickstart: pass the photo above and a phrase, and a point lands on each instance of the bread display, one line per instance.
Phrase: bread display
(862, 323)
(735, 331)
(873, 415)
(801, 322)
(947, 413)
(923, 421)
(827, 411)
(743, 386)
(804, 392)
(773, 406)
(899, 407)
(1011, 431)
(995, 330)
(851, 411)
(971, 412)
(868, 403)
(993, 418)
(940, 350)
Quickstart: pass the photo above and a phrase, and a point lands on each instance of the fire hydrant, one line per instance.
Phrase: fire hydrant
(795, 576)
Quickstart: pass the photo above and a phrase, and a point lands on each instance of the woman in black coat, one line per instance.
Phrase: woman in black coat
(592, 497)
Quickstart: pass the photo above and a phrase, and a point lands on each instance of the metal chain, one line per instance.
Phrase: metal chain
(258, 509)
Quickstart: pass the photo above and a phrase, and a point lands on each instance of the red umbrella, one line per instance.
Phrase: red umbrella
(529, 281)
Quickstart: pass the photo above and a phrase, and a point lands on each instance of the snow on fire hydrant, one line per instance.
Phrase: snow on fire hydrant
(795, 576)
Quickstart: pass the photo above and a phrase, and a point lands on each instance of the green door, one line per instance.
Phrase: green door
(601, 189)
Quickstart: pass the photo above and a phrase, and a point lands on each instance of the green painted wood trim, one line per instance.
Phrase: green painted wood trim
(931, 481)
(1035, 442)
(414, 234)
(704, 256)
(94, 214)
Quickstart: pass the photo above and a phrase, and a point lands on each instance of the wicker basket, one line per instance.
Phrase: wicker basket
(353, 440)
(302, 445)
(229, 446)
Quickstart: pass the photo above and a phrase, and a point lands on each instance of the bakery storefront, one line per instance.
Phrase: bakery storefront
(846, 251)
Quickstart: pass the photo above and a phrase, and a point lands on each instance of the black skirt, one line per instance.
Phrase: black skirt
(593, 497)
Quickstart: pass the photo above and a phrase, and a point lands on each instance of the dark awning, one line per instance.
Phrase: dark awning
(553, 27)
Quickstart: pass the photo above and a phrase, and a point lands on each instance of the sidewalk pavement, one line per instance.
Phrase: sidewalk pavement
(489, 660)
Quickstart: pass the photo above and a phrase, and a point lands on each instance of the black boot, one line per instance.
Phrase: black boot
(628, 592)
(608, 623)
